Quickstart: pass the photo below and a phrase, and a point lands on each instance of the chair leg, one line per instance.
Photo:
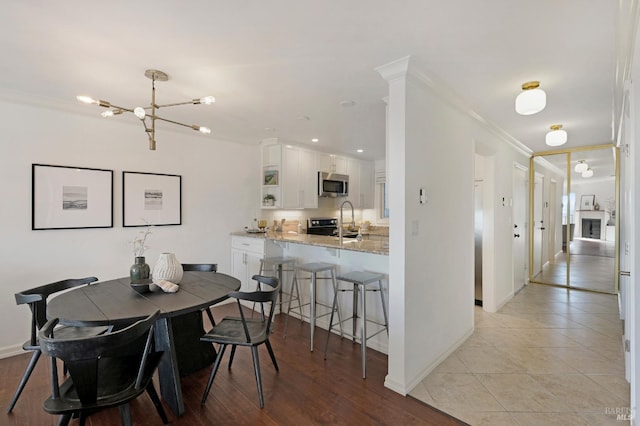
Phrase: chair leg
(363, 330)
(333, 309)
(83, 418)
(151, 391)
(125, 414)
(233, 353)
(214, 370)
(294, 285)
(271, 354)
(64, 420)
(256, 368)
(384, 307)
(210, 315)
(25, 378)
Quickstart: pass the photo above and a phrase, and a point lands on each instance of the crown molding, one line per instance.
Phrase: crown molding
(407, 67)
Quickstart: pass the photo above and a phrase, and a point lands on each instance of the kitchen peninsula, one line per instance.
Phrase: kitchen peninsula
(351, 255)
(375, 246)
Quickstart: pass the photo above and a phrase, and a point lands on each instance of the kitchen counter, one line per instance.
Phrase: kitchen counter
(377, 246)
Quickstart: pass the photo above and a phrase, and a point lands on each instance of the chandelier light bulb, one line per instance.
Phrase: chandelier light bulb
(107, 113)
(532, 99)
(581, 167)
(587, 173)
(207, 100)
(86, 99)
(139, 112)
(556, 136)
(204, 130)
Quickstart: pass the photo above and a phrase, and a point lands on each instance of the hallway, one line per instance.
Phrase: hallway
(550, 356)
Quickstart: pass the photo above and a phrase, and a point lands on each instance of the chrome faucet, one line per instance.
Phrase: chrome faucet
(353, 219)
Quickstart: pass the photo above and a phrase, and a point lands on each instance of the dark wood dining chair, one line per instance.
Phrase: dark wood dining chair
(36, 298)
(202, 267)
(193, 355)
(243, 331)
(108, 370)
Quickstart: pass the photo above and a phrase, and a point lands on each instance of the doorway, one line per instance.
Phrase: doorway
(479, 224)
(520, 189)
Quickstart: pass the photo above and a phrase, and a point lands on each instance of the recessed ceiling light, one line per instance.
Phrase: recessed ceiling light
(315, 140)
(360, 150)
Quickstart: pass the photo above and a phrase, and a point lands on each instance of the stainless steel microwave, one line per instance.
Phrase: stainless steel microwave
(332, 185)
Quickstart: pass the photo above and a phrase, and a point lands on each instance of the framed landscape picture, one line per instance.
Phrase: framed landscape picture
(151, 199)
(270, 177)
(64, 197)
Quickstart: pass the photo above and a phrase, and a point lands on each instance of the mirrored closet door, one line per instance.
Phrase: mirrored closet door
(573, 200)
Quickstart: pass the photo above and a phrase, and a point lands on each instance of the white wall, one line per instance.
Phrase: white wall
(604, 191)
(431, 145)
(219, 194)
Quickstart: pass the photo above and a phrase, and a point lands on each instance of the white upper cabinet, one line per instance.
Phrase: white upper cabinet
(360, 183)
(299, 185)
(367, 193)
(290, 175)
(332, 163)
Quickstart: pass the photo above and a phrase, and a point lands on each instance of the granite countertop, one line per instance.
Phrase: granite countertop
(367, 246)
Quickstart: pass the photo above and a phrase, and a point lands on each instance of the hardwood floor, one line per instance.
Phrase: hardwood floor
(307, 390)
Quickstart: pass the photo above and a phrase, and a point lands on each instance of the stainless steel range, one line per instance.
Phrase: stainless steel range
(322, 225)
(326, 226)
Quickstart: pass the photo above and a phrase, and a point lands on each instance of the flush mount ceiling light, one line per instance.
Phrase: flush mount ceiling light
(531, 100)
(556, 136)
(150, 112)
(581, 167)
(587, 173)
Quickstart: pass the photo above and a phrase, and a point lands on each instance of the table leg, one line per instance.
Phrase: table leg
(168, 372)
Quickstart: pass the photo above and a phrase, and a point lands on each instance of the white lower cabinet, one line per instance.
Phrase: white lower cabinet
(246, 253)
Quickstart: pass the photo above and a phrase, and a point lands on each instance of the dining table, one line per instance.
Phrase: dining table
(115, 303)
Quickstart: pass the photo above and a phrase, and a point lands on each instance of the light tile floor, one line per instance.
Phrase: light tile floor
(550, 356)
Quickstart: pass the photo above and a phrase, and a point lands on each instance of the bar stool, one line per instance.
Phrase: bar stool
(313, 269)
(277, 266)
(362, 283)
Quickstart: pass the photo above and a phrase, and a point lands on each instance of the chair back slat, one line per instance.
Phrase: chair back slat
(147, 350)
(200, 267)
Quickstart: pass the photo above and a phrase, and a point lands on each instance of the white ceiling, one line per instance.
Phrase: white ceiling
(286, 65)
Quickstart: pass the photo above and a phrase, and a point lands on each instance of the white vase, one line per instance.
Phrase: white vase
(167, 268)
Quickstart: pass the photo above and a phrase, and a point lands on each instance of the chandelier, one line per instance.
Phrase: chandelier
(149, 113)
